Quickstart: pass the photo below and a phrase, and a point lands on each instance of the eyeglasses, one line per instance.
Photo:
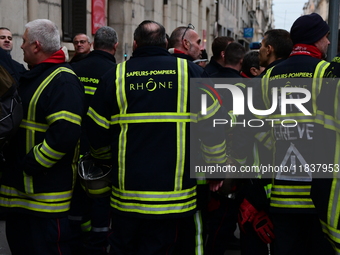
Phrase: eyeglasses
(81, 42)
(191, 26)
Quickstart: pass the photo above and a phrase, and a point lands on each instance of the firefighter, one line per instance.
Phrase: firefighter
(296, 226)
(82, 47)
(275, 47)
(139, 119)
(90, 212)
(325, 185)
(217, 60)
(251, 65)
(222, 220)
(184, 42)
(37, 183)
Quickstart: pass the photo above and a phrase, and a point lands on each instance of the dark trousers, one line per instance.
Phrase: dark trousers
(93, 213)
(222, 222)
(190, 235)
(299, 234)
(251, 244)
(31, 235)
(138, 236)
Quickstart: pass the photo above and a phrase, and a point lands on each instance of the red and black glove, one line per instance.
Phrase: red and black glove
(263, 227)
(246, 213)
(260, 221)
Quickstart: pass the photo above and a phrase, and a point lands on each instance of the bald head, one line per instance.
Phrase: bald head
(187, 40)
(149, 33)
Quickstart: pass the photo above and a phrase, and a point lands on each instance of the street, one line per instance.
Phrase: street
(4, 250)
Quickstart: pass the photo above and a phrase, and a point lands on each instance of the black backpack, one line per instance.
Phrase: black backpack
(11, 111)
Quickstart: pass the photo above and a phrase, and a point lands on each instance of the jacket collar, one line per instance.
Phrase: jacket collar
(103, 54)
(149, 51)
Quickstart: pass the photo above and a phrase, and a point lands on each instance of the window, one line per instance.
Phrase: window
(73, 18)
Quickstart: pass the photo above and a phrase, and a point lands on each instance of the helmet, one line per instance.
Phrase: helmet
(95, 179)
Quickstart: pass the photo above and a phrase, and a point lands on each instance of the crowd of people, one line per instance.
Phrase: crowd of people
(142, 119)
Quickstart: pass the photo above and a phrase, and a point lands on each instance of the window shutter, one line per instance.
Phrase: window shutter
(74, 18)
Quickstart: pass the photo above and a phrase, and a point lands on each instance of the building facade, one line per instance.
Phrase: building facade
(245, 20)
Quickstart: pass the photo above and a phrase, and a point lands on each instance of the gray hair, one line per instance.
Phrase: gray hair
(46, 32)
(105, 38)
(87, 37)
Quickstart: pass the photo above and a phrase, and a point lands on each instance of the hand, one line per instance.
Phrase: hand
(215, 185)
(246, 213)
(260, 221)
(263, 227)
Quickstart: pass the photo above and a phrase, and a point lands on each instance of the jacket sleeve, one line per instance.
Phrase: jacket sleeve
(98, 119)
(63, 106)
(207, 139)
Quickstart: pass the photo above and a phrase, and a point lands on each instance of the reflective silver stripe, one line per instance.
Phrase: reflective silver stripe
(152, 117)
(327, 120)
(64, 115)
(214, 149)
(182, 101)
(40, 127)
(41, 197)
(333, 233)
(30, 134)
(102, 150)
(317, 81)
(102, 153)
(333, 203)
(99, 230)
(28, 183)
(241, 161)
(153, 208)
(154, 195)
(100, 121)
(46, 149)
(261, 135)
(122, 104)
(86, 226)
(268, 190)
(265, 88)
(35, 206)
(292, 202)
(297, 191)
(41, 159)
(293, 116)
(269, 144)
(337, 103)
(90, 90)
(217, 159)
(256, 155)
(199, 233)
(211, 110)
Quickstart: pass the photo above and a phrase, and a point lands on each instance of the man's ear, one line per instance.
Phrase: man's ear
(116, 45)
(186, 44)
(37, 47)
(254, 71)
(270, 49)
(134, 46)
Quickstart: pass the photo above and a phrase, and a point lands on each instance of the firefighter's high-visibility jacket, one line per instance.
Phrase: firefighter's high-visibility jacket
(334, 68)
(140, 117)
(89, 71)
(326, 187)
(294, 140)
(43, 156)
